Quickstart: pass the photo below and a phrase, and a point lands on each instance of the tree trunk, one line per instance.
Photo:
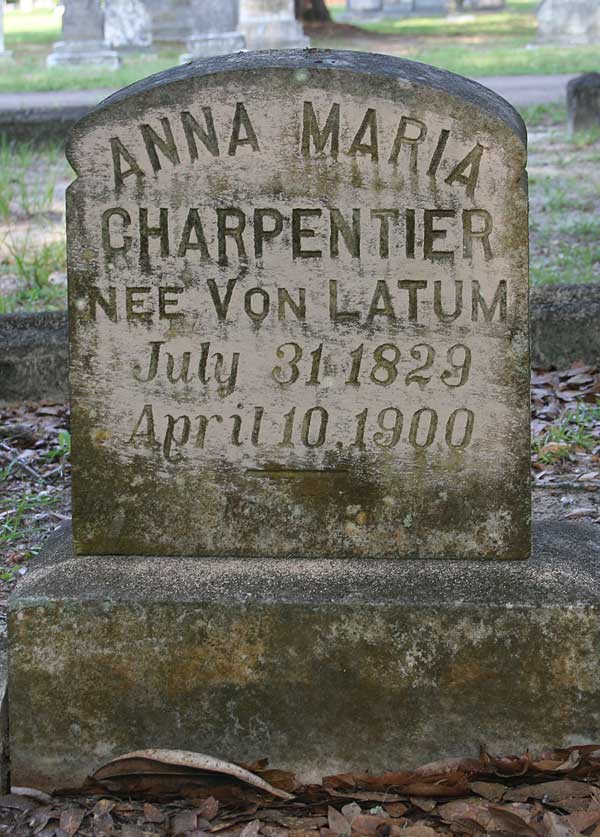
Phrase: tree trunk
(313, 10)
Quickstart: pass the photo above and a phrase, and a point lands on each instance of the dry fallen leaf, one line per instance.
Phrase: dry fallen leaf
(148, 762)
(251, 829)
(338, 823)
(549, 791)
(71, 819)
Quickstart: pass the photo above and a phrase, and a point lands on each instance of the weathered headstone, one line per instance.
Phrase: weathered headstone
(214, 30)
(4, 54)
(298, 291)
(487, 5)
(363, 8)
(82, 41)
(569, 22)
(583, 102)
(270, 24)
(127, 24)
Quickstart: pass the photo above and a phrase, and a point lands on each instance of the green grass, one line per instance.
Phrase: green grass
(41, 26)
(537, 116)
(16, 523)
(564, 229)
(25, 189)
(29, 73)
(495, 24)
(574, 431)
(497, 45)
(509, 60)
(33, 266)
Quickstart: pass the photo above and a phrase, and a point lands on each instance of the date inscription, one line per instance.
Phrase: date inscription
(316, 427)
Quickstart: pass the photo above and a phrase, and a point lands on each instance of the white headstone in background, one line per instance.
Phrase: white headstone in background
(215, 30)
(569, 21)
(3, 53)
(270, 24)
(171, 19)
(127, 24)
(83, 38)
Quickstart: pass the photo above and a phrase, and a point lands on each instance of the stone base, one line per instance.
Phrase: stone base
(79, 54)
(273, 32)
(320, 665)
(206, 46)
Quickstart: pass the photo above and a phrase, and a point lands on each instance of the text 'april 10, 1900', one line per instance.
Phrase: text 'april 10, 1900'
(299, 315)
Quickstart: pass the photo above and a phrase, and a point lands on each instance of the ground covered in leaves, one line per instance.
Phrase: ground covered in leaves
(166, 792)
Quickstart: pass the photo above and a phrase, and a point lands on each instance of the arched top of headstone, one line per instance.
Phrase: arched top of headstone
(361, 72)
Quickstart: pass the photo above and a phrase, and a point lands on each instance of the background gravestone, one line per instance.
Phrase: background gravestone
(214, 29)
(569, 21)
(171, 19)
(298, 302)
(583, 102)
(83, 38)
(127, 24)
(4, 54)
(270, 24)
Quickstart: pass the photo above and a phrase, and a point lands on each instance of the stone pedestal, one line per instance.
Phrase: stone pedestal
(322, 666)
(83, 38)
(214, 30)
(270, 24)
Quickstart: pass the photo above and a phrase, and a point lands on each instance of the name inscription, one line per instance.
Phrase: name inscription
(291, 269)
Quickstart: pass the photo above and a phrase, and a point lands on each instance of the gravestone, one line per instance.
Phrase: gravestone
(363, 8)
(487, 5)
(127, 24)
(569, 22)
(4, 54)
(171, 19)
(270, 24)
(323, 351)
(214, 29)
(583, 102)
(83, 38)
(298, 309)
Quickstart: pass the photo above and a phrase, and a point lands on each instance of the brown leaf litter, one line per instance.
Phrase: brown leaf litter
(168, 792)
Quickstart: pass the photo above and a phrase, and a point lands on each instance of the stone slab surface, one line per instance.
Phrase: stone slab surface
(385, 664)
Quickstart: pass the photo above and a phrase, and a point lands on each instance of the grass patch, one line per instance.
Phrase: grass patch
(542, 116)
(573, 433)
(564, 230)
(509, 60)
(29, 73)
(41, 26)
(33, 268)
(16, 522)
(27, 183)
(515, 24)
(30, 249)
